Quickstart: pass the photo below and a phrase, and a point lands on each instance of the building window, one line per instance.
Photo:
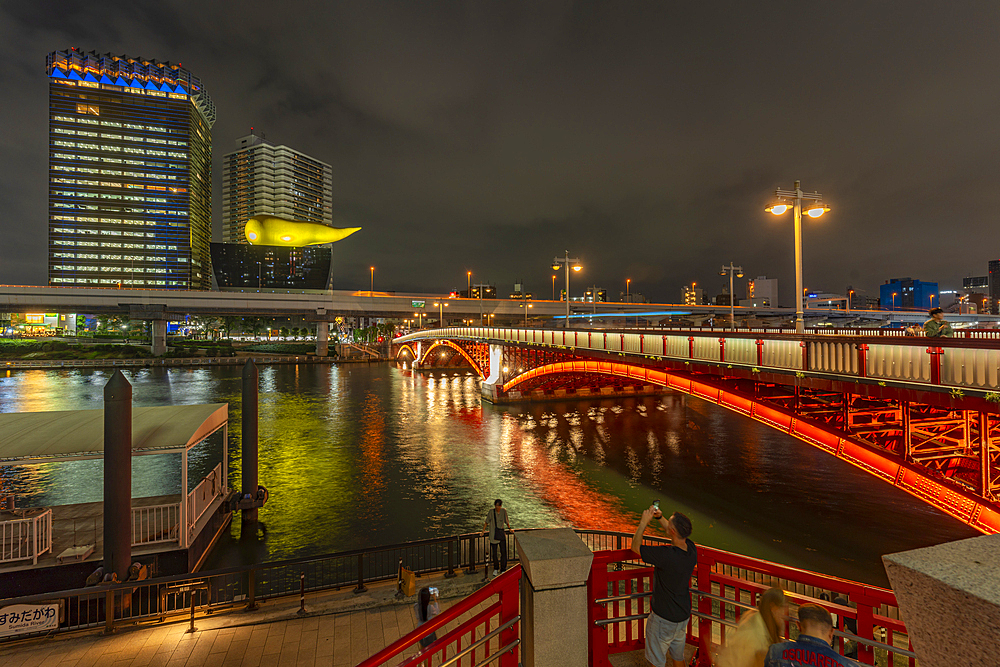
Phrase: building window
(88, 109)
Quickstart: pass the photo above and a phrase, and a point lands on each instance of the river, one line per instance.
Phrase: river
(357, 456)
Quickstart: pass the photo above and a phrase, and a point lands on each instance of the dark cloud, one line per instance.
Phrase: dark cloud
(643, 137)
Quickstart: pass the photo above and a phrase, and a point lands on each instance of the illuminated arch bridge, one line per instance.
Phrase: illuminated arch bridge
(921, 415)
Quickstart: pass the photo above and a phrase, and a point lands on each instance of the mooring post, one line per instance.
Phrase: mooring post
(117, 477)
(249, 436)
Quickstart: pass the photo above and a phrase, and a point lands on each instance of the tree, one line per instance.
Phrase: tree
(228, 323)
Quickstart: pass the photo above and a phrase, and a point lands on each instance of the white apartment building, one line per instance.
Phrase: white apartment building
(261, 178)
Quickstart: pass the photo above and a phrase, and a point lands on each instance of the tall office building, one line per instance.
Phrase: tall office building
(994, 285)
(130, 173)
(261, 178)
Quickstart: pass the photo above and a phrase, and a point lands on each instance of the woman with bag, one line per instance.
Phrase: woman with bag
(427, 608)
(758, 629)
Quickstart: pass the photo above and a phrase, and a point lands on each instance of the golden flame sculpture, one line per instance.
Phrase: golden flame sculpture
(269, 230)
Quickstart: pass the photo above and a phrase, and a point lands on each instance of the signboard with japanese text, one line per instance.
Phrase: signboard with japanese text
(19, 619)
(418, 304)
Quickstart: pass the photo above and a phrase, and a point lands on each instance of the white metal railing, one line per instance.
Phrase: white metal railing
(203, 495)
(27, 538)
(910, 360)
(154, 524)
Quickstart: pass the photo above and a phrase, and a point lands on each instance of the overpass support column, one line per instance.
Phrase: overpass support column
(322, 339)
(158, 334)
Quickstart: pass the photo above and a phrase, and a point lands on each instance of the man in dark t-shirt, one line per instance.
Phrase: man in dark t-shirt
(666, 626)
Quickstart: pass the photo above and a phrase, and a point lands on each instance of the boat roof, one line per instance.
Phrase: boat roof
(79, 434)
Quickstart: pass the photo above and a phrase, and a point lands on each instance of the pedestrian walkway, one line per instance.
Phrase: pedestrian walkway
(339, 628)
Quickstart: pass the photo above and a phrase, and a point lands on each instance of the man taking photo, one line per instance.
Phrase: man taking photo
(666, 626)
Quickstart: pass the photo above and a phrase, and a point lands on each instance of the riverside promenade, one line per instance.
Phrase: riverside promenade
(338, 628)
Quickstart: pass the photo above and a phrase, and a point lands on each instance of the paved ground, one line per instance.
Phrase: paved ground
(340, 629)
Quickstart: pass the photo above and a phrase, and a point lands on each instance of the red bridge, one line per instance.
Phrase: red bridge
(920, 414)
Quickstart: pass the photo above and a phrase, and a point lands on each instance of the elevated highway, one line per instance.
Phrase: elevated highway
(920, 414)
(325, 306)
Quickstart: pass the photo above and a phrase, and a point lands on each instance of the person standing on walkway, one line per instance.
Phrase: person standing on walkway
(937, 326)
(666, 626)
(758, 629)
(427, 608)
(813, 645)
(493, 526)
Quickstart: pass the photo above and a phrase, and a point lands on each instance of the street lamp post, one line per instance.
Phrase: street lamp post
(738, 270)
(553, 288)
(567, 263)
(441, 305)
(893, 301)
(850, 296)
(628, 283)
(373, 280)
(468, 274)
(815, 210)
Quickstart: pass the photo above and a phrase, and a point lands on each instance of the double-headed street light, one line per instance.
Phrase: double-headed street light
(567, 262)
(792, 199)
(738, 270)
(441, 305)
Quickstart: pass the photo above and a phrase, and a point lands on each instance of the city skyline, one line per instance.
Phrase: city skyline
(645, 141)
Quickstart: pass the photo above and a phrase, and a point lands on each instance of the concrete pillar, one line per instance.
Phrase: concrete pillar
(949, 598)
(556, 567)
(117, 476)
(248, 443)
(490, 386)
(322, 338)
(158, 334)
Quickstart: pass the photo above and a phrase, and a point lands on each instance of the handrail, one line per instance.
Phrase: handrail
(494, 587)
(479, 642)
(712, 609)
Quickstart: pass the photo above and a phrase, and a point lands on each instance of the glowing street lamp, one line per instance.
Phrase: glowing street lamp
(373, 280)
(738, 270)
(553, 288)
(850, 297)
(441, 305)
(567, 263)
(468, 274)
(628, 282)
(893, 301)
(814, 209)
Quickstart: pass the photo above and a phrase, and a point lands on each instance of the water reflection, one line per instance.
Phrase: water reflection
(358, 456)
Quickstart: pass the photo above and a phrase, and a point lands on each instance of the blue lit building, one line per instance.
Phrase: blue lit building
(130, 173)
(908, 294)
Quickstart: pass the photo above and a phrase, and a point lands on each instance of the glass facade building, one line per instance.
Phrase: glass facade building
(130, 173)
(260, 178)
(248, 268)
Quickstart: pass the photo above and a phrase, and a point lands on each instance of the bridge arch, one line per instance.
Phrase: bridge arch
(911, 478)
(458, 348)
(406, 346)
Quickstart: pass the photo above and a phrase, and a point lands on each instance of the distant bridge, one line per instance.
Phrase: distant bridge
(920, 414)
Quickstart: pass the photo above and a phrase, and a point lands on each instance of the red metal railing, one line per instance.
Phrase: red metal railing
(489, 635)
(724, 585)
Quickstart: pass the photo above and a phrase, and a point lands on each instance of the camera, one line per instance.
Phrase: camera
(434, 591)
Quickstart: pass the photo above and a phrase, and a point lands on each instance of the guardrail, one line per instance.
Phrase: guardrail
(153, 524)
(152, 362)
(733, 577)
(26, 538)
(490, 635)
(725, 585)
(972, 361)
(203, 495)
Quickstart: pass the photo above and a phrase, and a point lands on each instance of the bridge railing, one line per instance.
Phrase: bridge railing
(972, 361)
(724, 586)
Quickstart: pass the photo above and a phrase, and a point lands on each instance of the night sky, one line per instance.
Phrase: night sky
(645, 138)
